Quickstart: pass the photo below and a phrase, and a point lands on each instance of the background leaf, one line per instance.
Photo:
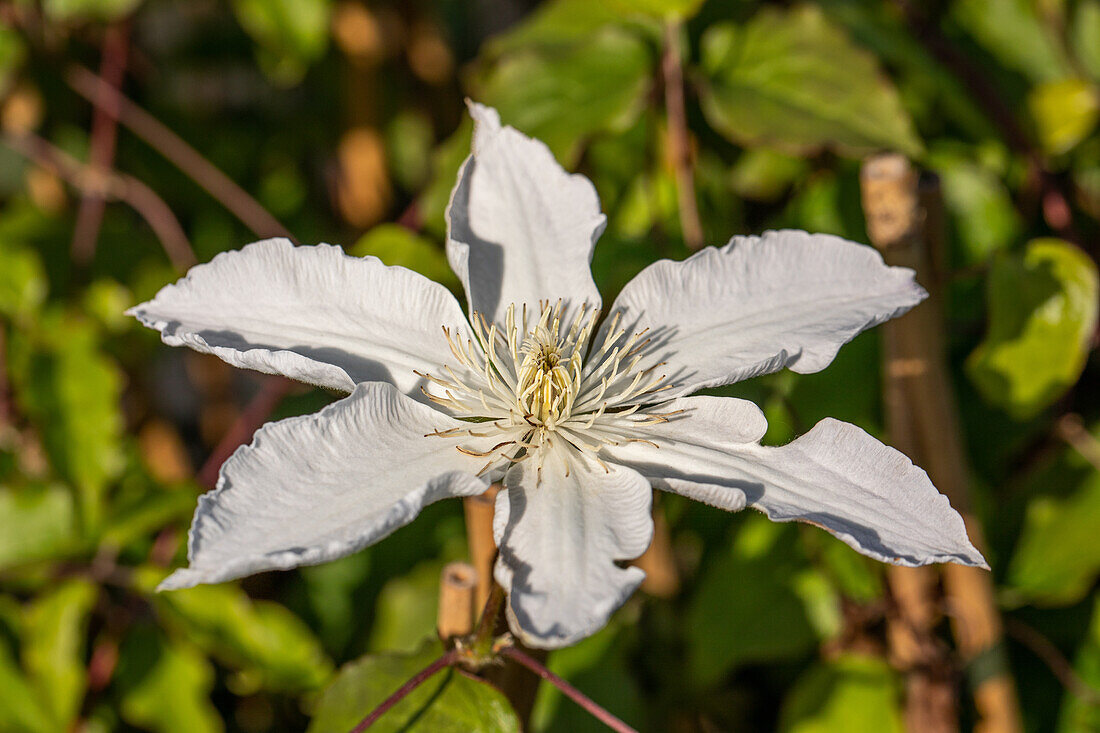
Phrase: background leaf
(449, 701)
(1042, 314)
(792, 80)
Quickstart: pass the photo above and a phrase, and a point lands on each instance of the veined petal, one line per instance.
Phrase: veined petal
(310, 313)
(315, 488)
(559, 538)
(835, 476)
(521, 229)
(759, 304)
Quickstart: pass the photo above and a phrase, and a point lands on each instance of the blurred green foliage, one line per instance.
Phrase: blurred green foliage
(345, 120)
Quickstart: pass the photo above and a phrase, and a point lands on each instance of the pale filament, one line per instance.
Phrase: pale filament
(529, 383)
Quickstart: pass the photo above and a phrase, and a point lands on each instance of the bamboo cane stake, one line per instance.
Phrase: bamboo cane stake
(479, 539)
(922, 410)
(457, 583)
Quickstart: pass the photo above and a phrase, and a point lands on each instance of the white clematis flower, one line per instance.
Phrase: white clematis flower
(578, 417)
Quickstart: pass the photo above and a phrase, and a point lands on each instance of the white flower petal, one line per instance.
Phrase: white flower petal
(559, 539)
(315, 488)
(836, 476)
(759, 304)
(521, 229)
(309, 313)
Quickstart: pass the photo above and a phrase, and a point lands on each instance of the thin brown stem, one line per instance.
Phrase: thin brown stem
(89, 217)
(272, 391)
(110, 184)
(1059, 666)
(174, 148)
(1071, 429)
(679, 140)
(402, 692)
(487, 623)
(589, 705)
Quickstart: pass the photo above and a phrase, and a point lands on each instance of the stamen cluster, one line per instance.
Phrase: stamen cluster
(538, 387)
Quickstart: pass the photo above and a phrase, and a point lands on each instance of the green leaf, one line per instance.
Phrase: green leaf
(563, 22)
(22, 280)
(1079, 714)
(563, 96)
(54, 632)
(765, 175)
(21, 711)
(1042, 316)
(1057, 557)
(852, 693)
(727, 626)
(71, 391)
(105, 10)
(1016, 35)
(790, 79)
(1065, 112)
(449, 702)
(397, 245)
(983, 215)
(271, 646)
(446, 160)
(106, 301)
(1085, 36)
(406, 610)
(167, 685)
(146, 515)
(291, 34)
(12, 53)
(36, 523)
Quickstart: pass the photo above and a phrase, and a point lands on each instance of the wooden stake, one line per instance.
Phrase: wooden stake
(479, 537)
(456, 600)
(662, 578)
(924, 424)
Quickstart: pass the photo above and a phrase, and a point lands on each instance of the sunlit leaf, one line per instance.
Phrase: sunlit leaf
(22, 281)
(1014, 32)
(21, 711)
(562, 22)
(53, 651)
(1065, 112)
(397, 245)
(852, 693)
(69, 10)
(291, 34)
(271, 646)
(1042, 315)
(562, 96)
(166, 685)
(71, 390)
(1057, 557)
(450, 702)
(1085, 36)
(764, 174)
(792, 80)
(36, 523)
(982, 213)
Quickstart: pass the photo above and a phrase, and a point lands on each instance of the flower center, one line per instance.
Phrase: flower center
(530, 388)
(545, 388)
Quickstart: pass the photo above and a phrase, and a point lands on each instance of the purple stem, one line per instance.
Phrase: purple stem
(418, 679)
(572, 692)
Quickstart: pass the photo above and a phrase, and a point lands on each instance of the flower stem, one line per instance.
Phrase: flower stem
(486, 625)
(679, 140)
(415, 681)
(573, 693)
